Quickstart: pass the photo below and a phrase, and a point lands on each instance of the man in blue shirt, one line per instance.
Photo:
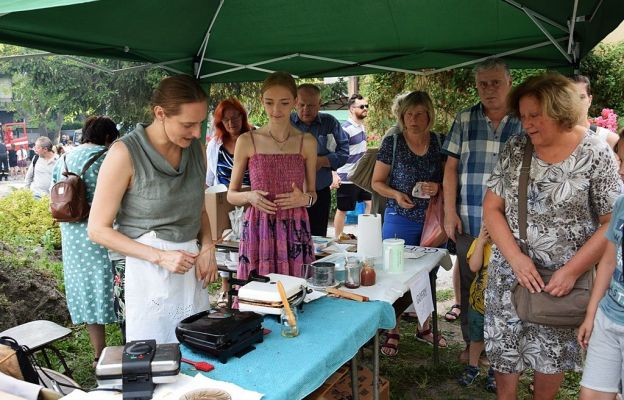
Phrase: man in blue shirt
(476, 139)
(333, 150)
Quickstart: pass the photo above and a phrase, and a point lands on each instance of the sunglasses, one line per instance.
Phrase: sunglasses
(362, 107)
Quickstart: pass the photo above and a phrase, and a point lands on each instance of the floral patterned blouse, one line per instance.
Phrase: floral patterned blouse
(565, 201)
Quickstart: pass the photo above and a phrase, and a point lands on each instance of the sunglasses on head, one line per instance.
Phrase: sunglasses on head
(361, 107)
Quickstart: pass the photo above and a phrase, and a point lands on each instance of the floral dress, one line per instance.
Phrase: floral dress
(565, 200)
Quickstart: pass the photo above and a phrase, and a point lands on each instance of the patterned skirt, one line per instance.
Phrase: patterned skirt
(279, 243)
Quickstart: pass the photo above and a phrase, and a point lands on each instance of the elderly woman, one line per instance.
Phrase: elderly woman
(417, 175)
(573, 183)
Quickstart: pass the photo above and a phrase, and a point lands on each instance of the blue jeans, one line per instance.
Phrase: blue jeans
(397, 226)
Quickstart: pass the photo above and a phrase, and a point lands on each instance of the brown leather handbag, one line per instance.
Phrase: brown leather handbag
(541, 308)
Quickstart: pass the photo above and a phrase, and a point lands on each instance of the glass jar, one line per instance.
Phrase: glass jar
(353, 268)
(289, 330)
(368, 275)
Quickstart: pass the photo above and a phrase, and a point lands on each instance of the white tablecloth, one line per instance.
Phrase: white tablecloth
(390, 287)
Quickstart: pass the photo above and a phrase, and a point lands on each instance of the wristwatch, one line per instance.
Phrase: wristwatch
(310, 200)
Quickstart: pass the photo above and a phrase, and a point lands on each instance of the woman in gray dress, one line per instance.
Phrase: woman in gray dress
(152, 185)
(573, 184)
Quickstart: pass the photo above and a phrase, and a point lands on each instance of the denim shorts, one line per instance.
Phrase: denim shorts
(604, 363)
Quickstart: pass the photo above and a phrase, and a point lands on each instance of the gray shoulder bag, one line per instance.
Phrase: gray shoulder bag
(542, 308)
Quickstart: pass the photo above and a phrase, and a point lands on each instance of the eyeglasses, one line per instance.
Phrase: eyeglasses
(232, 120)
(362, 107)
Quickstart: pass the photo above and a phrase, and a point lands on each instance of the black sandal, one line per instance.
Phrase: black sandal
(452, 316)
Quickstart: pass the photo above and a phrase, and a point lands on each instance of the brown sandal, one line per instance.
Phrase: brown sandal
(423, 336)
(390, 349)
(452, 316)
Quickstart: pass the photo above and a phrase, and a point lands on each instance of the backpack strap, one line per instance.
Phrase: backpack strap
(91, 161)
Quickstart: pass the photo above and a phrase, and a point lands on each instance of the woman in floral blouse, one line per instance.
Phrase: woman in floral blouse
(573, 183)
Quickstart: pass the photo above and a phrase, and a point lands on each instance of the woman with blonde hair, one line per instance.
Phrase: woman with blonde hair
(408, 171)
(572, 185)
(275, 235)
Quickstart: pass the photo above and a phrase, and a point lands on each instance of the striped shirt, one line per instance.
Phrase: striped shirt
(477, 146)
(357, 148)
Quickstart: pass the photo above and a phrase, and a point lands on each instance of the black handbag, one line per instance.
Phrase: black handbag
(541, 308)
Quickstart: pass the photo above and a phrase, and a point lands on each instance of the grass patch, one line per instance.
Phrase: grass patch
(445, 295)
(78, 354)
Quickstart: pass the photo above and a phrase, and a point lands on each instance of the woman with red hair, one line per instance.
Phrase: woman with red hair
(230, 121)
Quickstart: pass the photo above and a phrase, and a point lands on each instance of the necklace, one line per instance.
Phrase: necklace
(280, 144)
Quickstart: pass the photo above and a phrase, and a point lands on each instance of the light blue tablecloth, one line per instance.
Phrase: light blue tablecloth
(331, 332)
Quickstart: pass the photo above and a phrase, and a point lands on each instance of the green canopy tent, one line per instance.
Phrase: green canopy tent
(242, 40)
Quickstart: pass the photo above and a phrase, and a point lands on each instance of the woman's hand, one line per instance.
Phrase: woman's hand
(585, 331)
(430, 188)
(294, 199)
(526, 273)
(257, 199)
(403, 200)
(176, 261)
(560, 283)
(206, 266)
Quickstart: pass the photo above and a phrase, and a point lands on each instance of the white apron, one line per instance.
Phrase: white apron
(157, 299)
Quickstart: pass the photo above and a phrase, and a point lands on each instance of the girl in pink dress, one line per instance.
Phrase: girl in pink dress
(275, 236)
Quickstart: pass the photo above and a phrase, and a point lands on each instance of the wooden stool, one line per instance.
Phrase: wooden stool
(39, 336)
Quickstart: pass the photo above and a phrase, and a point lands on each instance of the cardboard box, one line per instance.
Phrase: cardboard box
(338, 386)
(217, 207)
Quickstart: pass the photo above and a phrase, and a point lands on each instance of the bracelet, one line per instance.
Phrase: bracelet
(310, 200)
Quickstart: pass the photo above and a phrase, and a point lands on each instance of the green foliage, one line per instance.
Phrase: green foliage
(247, 93)
(450, 91)
(27, 222)
(604, 66)
(50, 91)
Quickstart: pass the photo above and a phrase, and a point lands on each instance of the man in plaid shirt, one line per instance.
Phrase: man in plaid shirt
(476, 139)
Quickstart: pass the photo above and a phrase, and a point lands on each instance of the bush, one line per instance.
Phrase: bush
(27, 222)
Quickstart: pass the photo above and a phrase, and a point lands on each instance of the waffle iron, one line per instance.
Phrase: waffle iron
(221, 334)
(263, 297)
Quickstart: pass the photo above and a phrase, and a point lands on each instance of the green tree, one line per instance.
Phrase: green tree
(604, 66)
(51, 90)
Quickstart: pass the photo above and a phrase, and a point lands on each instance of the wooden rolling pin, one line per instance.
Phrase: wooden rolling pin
(346, 295)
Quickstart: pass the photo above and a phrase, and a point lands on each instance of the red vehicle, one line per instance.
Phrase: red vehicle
(14, 133)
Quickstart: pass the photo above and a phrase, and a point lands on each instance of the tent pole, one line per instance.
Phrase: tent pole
(549, 36)
(355, 63)
(238, 65)
(499, 55)
(251, 66)
(537, 15)
(595, 11)
(204, 45)
(572, 23)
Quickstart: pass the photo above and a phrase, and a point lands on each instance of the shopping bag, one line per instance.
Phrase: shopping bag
(433, 234)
